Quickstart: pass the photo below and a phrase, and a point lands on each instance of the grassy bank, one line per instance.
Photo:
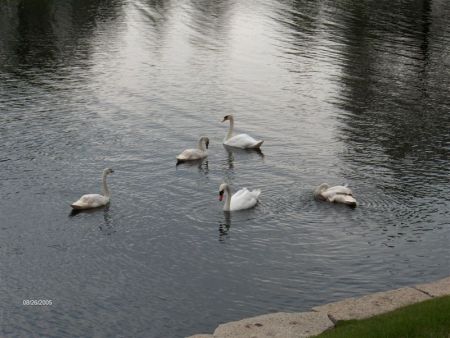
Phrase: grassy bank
(429, 319)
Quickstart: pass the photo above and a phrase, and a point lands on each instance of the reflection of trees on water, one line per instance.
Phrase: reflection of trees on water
(158, 14)
(46, 33)
(393, 59)
(302, 19)
(46, 51)
(392, 78)
(211, 20)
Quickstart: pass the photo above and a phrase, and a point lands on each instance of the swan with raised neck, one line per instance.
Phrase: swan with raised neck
(230, 128)
(222, 189)
(90, 201)
(195, 153)
(242, 141)
(105, 189)
(242, 199)
(203, 143)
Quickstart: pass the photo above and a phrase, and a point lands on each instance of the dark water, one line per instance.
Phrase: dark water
(350, 92)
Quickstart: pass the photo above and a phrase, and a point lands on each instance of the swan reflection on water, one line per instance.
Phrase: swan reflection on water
(233, 150)
(201, 164)
(74, 212)
(107, 226)
(224, 227)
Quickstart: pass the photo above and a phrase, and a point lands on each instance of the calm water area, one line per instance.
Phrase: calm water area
(344, 92)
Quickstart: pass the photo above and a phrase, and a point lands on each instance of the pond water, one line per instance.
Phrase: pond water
(352, 92)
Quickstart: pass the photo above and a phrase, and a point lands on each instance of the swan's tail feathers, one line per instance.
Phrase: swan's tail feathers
(258, 144)
(256, 193)
(181, 159)
(344, 199)
(82, 203)
(78, 205)
(351, 202)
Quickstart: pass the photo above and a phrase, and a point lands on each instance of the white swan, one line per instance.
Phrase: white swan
(336, 194)
(243, 141)
(195, 154)
(242, 199)
(95, 200)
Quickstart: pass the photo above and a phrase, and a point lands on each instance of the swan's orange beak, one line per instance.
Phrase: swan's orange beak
(220, 196)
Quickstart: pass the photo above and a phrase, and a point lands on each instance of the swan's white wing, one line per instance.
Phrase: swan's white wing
(90, 201)
(244, 199)
(243, 141)
(240, 192)
(344, 199)
(336, 190)
(191, 154)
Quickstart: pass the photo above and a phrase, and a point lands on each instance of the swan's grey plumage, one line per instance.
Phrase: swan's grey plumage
(90, 201)
(195, 154)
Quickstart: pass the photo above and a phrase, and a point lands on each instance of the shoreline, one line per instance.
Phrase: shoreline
(324, 317)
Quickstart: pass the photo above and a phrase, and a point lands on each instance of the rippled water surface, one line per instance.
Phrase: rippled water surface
(346, 91)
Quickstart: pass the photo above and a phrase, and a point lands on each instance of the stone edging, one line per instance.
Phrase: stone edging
(321, 318)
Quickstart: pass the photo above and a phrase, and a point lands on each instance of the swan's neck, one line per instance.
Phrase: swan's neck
(201, 144)
(227, 205)
(318, 191)
(105, 190)
(230, 130)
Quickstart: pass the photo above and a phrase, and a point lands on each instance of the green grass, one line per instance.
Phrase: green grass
(428, 319)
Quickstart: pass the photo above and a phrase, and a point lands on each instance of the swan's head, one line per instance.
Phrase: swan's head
(222, 189)
(321, 188)
(227, 118)
(108, 171)
(206, 141)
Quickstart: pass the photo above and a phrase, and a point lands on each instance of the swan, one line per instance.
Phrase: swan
(242, 199)
(195, 154)
(243, 141)
(90, 201)
(337, 194)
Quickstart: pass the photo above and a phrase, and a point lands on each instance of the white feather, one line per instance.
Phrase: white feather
(90, 201)
(241, 199)
(243, 141)
(244, 199)
(336, 194)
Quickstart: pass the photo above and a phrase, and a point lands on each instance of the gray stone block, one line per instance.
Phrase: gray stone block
(371, 305)
(276, 325)
(203, 335)
(436, 289)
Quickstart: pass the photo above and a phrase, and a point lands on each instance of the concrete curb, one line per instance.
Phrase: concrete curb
(372, 305)
(321, 318)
